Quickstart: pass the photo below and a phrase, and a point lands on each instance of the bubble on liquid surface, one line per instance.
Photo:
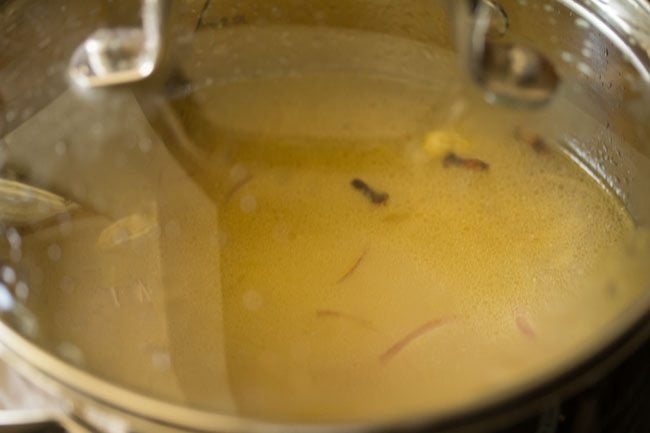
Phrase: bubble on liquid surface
(248, 203)
(13, 237)
(70, 353)
(282, 232)
(145, 144)
(25, 322)
(6, 299)
(61, 148)
(252, 300)
(8, 274)
(585, 68)
(238, 173)
(67, 284)
(161, 360)
(22, 290)
(54, 252)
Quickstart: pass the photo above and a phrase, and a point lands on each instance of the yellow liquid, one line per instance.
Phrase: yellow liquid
(462, 282)
(269, 287)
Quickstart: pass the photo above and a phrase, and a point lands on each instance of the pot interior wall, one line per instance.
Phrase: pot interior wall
(323, 74)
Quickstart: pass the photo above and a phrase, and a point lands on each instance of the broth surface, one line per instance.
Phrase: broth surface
(339, 250)
(463, 280)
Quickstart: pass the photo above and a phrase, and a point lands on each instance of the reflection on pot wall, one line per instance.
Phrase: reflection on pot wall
(261, 138)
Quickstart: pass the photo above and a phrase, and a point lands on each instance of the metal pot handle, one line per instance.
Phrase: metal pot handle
(121, 55)
(509, 73)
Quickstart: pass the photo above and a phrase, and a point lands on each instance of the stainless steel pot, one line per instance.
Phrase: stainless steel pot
(153, 96)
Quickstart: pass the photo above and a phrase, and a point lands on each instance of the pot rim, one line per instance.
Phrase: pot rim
(61, 379)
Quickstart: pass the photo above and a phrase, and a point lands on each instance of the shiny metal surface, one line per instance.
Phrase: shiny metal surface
(609, 83)
(509, 73)
(113, 56)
